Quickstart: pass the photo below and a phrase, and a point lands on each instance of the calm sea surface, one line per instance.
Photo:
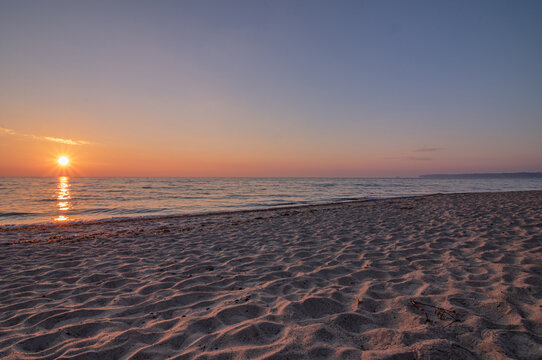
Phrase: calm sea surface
(53, 200)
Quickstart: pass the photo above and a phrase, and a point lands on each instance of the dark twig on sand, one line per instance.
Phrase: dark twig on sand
(441, 313)
(421, 309)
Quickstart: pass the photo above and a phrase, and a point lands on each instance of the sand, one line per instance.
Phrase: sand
(318, 282)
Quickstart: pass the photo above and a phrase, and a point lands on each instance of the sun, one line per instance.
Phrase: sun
(63, 161)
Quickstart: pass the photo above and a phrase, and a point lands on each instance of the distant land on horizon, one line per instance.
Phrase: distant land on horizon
(484, 175)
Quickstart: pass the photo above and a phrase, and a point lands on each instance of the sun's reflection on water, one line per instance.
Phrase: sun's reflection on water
(63, 199)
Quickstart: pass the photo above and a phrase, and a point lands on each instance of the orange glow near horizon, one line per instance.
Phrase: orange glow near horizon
(216, 157)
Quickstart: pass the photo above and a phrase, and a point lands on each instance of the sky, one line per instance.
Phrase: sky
(270, 88)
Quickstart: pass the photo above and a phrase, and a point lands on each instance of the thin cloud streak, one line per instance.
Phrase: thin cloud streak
(8, 131)
(419, 158)
(47, 138)
(67, 141)
(426, 149)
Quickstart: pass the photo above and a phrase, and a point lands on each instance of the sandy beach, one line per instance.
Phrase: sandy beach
(435, 277)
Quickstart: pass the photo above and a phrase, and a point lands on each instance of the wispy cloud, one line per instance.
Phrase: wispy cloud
(7, 131)
(419, 158)
(426, 149)
(67, 141)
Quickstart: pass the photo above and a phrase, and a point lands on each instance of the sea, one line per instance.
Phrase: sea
(28, 201)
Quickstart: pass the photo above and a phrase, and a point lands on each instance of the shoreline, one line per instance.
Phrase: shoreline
(196, 214)
(15, 227)
(330, 281)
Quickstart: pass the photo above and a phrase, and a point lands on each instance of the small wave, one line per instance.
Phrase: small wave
(270, 204)
(348, 198)
(8, 214)
(96, 211)
(142, 211)
(72, 198)
(326, 185)
(281, 195)
(118, 211)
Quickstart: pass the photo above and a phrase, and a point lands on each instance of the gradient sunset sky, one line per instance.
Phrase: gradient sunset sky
(270, 88)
